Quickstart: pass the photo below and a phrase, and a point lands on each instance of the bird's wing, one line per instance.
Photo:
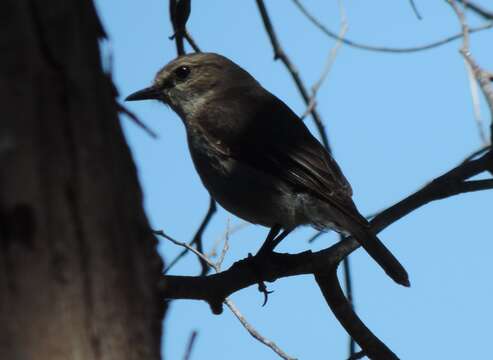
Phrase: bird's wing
(269, 137)
(278, 142)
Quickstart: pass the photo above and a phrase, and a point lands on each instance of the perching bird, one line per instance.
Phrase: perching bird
(257, 158)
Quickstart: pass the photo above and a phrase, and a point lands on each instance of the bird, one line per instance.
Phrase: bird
(257, 158)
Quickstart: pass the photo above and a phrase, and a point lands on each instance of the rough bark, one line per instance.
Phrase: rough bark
(78, 266)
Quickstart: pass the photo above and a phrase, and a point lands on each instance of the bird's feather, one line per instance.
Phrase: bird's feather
(280, 144)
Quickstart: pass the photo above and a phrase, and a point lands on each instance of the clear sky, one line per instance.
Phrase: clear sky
(395, 121)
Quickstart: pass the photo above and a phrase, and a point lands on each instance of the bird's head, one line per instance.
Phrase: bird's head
(190, 81)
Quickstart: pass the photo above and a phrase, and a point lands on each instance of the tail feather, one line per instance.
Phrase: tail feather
(377, 250)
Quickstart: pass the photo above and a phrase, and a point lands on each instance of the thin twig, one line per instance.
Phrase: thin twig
(385, 49)
(254, 332)
(227, 232)
(136, 120)
(329, 63)
(415, 9)
(473, 87)
(186, 246)
(225, 246)
(191, 41)
(315, 236)
(477, 153)
(191, 343)
(349, 296)
(486, 14)
(179, 11)
(482, 76)
(197, 238)
(281, 55)
(217, 268)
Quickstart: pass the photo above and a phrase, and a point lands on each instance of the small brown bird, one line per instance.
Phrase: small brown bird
(257, 158)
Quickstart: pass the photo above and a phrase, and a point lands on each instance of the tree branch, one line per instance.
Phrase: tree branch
(179, 11)
(482, 77)
(386, 49)
(197, 240)
(373, 347)
(191, 343)
(230, 304)
(215, 288)
(415, 10)
(486, 14)
(281, 55)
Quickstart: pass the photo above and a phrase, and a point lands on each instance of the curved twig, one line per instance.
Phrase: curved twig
(373, 347)
(197, 240)
(385, 49)
(415, 10)
(281, 55)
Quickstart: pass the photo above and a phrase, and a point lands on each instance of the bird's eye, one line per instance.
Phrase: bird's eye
(182, 72)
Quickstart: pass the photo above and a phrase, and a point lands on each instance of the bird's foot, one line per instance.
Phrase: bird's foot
(254, 265)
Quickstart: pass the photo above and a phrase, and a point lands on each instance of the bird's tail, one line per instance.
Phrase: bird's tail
(377, 250)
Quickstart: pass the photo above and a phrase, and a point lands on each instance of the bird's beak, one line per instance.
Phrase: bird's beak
(149, 93)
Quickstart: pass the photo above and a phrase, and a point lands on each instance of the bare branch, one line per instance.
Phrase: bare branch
(386, 49)
(333, 294)
(473, 87)
(179, 11)
(191, 343)
(415, 9)
(449, 184)
(215, 288)
(477, 153)
(122, 109)
(227, 301)
(281, 55)
(482, 77)
(191, 41)
(315, 236)
(197, 239)
(187, 247)
(349, 295)
(227, 233)
(486, 14)
(225, 247)
(254, 332)
(329, 63)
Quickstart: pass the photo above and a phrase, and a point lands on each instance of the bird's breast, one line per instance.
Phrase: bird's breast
(250, 194)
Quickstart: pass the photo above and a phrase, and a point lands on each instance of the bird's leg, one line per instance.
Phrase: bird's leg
(273, 239)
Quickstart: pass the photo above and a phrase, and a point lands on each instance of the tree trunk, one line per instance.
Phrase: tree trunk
(78, 264)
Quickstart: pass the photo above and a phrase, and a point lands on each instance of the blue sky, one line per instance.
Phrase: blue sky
(395, 121)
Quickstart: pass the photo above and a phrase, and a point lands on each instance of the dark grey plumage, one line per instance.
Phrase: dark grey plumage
(256, 156)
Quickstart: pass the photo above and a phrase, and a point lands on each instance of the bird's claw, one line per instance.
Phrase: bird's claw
(261, 284)
(263, 289)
